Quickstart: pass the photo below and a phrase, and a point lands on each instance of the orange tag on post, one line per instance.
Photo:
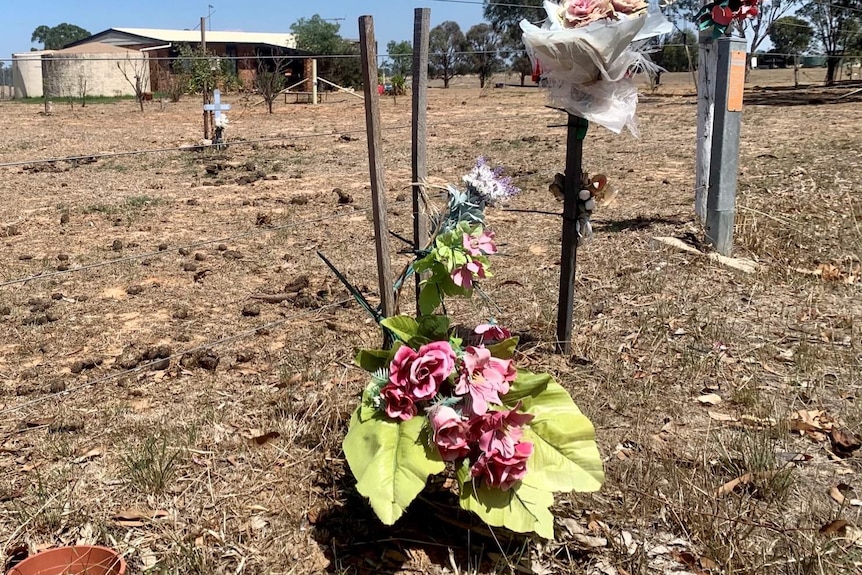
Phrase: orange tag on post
(736, 81)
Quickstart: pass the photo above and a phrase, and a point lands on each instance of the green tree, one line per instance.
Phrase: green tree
(505, 18)
(837, 27)
(400, 61)
(484, 58)
(446, 51)
(322, 38)
(56, 37)
(790, 35)
(759, 26)
(317, 35)
(674, 56)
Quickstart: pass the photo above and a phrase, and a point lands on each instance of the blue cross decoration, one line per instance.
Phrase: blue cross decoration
(217, 105)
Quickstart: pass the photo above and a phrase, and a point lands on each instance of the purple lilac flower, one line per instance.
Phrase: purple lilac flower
(489, 183)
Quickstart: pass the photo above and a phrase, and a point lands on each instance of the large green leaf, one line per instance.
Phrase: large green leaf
(525, 385)
(565, 455)
(504, 349)
(390, 462)
(404, 327)
(373, 359)
(522, 509)
(434, 327)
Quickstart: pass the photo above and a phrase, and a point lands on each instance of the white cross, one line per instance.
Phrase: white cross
(217, 105)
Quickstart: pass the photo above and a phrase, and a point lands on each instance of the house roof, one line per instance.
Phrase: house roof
(138, 36)
(95, 48)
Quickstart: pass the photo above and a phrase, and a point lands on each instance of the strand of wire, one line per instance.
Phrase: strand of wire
(202, 347)
(203, 243)
(231, 143)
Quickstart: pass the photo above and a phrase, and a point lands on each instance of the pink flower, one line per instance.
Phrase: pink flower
(399, 368)
(484, 378)
(500, 471)
(450, 432)
(629, 6)
(500, 431)
(397, 404)
(463, 276)
(481, 245)
(581, 12)
(492, 332)
(419, 374)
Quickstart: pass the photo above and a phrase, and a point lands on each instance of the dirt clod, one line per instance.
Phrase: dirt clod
(190, 267)
(343, 197)
(200, 257)
(64, 218)
(263, 219)
(56, 296)
(299, 200)
(129, 358)
(181, 313)
(233, 255)
(117, 245)
(207, 360)
(222, 247)
(135, 289)
(184, 251)
(63, 257)
(251, 310)
(244, 356)
(162, 247)
(63, 267)
(88, 363)
(57, 386)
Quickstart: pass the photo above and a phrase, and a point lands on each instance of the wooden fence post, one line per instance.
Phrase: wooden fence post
(378, 189)
(421, 26)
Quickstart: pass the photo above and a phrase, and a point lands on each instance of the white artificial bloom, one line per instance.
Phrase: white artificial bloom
(489, 183)
(221, 121)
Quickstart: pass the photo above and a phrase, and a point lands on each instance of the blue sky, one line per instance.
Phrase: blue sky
(393, 20)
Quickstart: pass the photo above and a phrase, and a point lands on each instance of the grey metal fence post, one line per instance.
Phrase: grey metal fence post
(724, 160)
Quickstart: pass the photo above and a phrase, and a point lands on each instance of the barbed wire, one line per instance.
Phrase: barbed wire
(142, 366)
(105, 263)
(194, 147)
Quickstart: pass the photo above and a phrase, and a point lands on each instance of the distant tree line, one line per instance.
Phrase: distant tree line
(832, 28)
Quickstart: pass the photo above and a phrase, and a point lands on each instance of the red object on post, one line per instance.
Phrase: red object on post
(537, 72)
(380, 89)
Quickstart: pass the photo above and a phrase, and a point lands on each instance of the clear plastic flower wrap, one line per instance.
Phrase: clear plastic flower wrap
(590, 68)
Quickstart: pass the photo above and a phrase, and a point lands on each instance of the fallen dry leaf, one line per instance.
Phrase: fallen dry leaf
(742, 480)
(39, 422)
(839, 494)
(138, 517)
(710, 399)
(836, 526)
(89, 454)
(721, 416)
(256, 437)
(844, 442)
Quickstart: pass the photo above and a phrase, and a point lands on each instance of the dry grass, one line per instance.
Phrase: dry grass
(234, 466)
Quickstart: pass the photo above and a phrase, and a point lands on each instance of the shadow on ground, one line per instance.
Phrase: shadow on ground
(434, 533)
(638, 223)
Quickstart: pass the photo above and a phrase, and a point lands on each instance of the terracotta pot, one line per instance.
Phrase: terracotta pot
(77, 560)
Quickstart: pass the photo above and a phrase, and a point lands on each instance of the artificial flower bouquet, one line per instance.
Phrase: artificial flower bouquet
(588, 52)
(511, 437)
(435, 401)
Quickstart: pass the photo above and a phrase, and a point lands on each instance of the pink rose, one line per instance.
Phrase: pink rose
(492, 332)
(450, 432)
(399, 368)
(397, 404)
(501, 471)
(419, 374)
(481, 245)
(484, 378)
(581, 12)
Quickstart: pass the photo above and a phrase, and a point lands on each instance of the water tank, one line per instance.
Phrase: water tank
(27, 74)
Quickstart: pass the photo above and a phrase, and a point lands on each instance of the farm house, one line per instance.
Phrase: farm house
(245, 51)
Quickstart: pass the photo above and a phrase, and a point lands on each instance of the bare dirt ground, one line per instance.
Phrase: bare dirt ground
(155, 405)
